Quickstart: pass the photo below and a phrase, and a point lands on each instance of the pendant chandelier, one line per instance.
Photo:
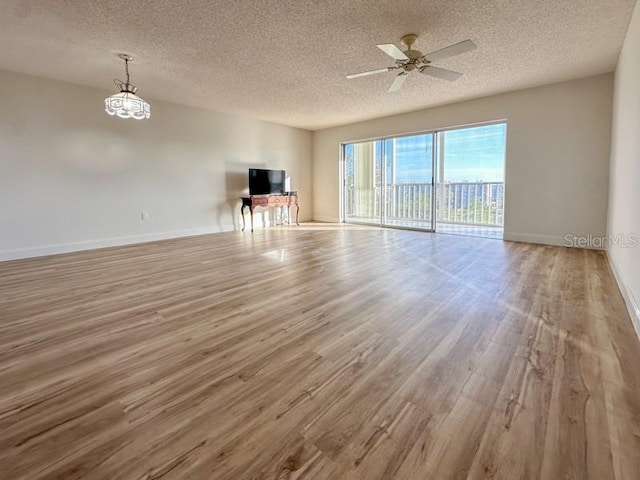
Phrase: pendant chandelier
(127, 104)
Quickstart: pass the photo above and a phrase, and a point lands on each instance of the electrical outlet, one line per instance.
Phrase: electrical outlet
(144, 215)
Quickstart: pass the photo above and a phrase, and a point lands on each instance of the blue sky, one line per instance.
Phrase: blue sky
(470, 154)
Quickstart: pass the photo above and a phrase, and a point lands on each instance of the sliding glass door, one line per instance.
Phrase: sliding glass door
(408, 193)
(470, 181)
(389, 182)
(452, 181)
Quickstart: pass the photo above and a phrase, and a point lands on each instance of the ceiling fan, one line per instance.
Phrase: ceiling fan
(411, 60)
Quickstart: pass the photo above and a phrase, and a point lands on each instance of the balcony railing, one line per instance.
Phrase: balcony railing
(468, 203)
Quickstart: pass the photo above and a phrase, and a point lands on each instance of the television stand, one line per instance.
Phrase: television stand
(273, 200)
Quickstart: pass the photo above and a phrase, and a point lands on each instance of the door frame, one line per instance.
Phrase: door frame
(435, 169)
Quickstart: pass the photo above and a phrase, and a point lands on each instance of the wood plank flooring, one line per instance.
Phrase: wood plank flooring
(318, 352)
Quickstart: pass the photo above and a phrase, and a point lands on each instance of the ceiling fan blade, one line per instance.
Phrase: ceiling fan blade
(393, 51)
(451, 50)
(441, 73)
(370, 72)
(397, 83)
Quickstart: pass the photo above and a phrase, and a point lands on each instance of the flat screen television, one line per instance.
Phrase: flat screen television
(265, 182)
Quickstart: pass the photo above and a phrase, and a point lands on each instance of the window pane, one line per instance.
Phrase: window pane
(413, 159)
(475, 154)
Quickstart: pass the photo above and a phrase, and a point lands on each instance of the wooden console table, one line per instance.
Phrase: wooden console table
(270, 201)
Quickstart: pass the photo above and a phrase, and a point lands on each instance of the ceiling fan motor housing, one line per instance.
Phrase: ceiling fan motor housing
(414, 55)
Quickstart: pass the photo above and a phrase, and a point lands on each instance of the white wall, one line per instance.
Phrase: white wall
(72, 177)
(558, 142)
(624, 187)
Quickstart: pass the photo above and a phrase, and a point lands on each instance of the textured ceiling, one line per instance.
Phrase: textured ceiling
(285, 60)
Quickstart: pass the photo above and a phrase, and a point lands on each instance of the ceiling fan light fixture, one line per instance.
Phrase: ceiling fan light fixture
(127, 104)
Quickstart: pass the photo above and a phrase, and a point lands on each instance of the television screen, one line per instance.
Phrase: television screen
(264, 182)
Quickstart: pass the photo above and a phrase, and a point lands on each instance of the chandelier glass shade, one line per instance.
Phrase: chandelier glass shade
(127, 104)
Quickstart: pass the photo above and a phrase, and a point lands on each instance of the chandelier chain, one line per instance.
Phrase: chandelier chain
(126, 69)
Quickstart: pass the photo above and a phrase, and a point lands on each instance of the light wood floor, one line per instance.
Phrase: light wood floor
(318, 353)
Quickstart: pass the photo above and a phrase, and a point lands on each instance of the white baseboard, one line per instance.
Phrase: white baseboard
(43, 250)
(325, 219)
(630, 301)
(530, 238)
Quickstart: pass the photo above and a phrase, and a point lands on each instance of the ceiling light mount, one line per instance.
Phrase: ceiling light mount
(127, 104)
(409, 39)
(414, 55)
